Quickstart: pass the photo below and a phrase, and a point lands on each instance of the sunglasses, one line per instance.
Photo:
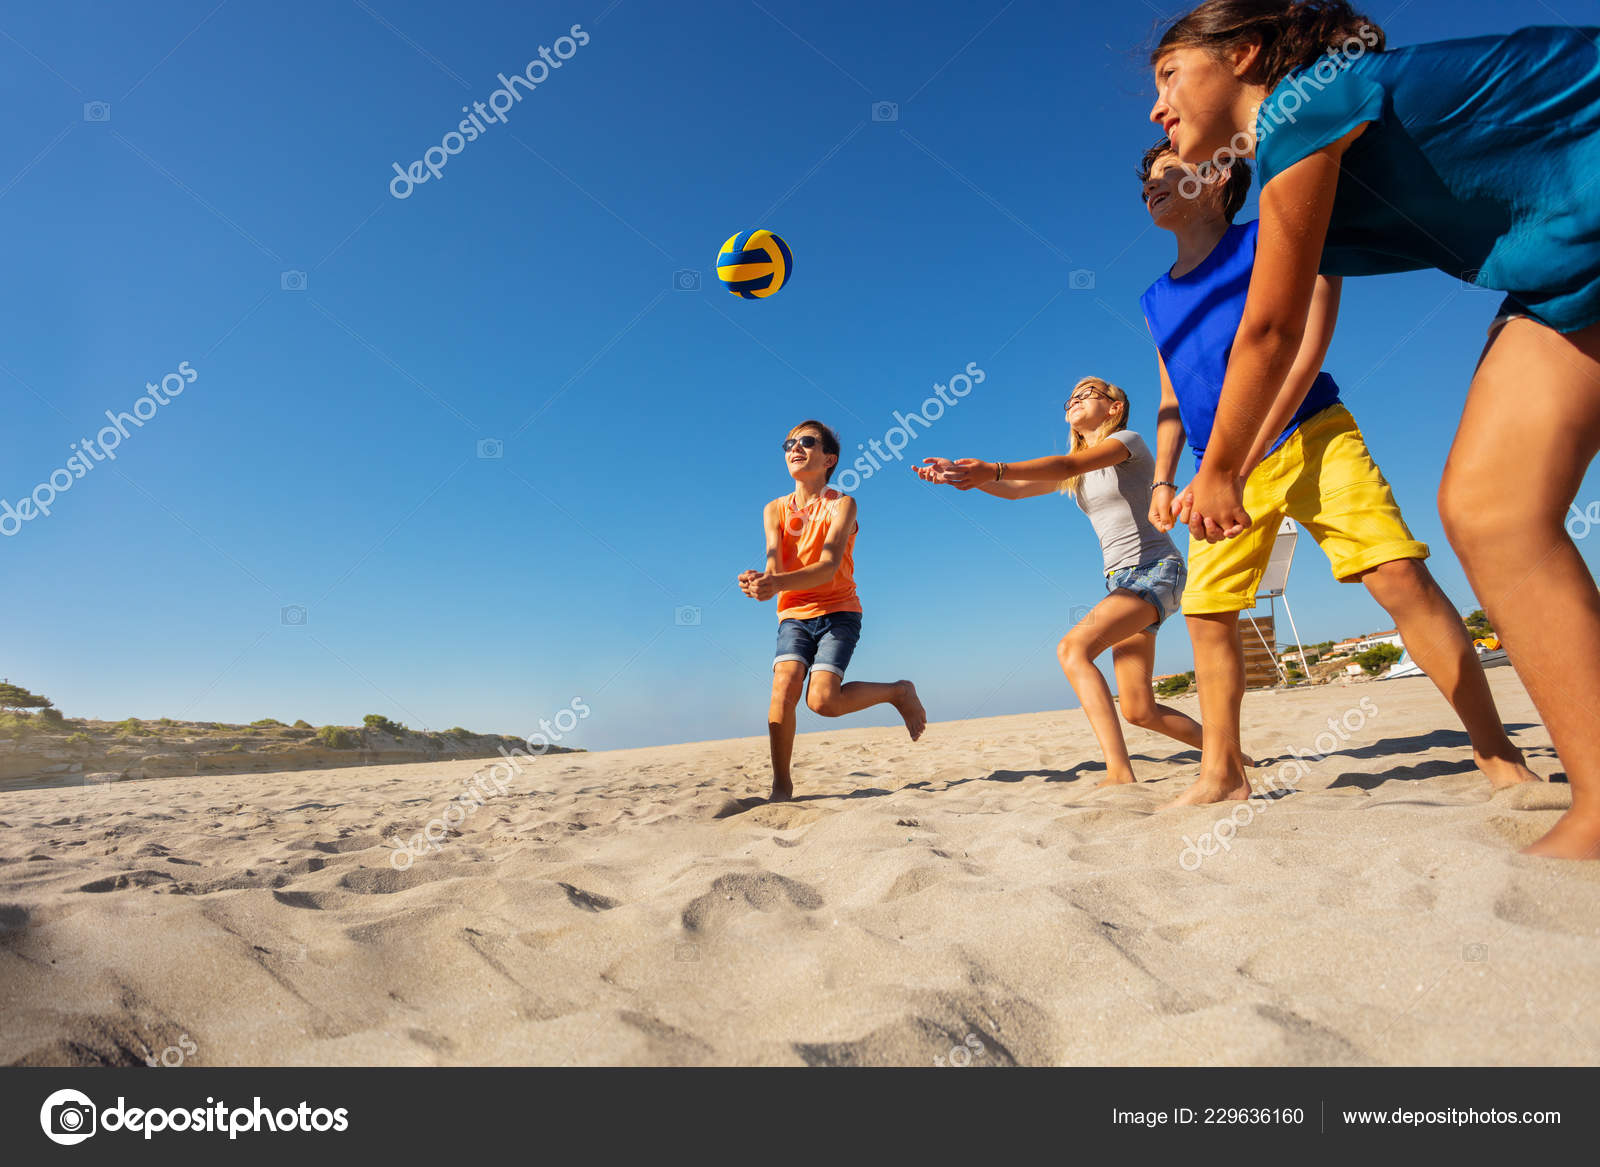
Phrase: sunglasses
(809, 441)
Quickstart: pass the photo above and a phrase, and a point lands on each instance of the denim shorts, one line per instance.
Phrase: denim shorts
(1159, 583)
(823, 643)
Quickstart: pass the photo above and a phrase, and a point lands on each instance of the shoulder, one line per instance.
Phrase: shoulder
(843, 505)
(1316, 107)
(1129, 440)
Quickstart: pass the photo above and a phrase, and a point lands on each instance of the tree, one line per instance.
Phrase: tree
(1478, 624)
(1172, 686)
(16, 697)
(1377, 658)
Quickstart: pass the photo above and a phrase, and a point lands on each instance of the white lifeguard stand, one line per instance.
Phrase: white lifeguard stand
(1273, 587)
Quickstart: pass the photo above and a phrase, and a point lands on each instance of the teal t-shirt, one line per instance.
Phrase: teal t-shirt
(1482, 159)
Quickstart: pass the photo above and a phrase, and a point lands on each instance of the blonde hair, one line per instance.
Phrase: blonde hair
(1110, 426)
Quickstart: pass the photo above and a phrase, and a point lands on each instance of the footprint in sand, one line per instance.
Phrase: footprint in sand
(734, 894)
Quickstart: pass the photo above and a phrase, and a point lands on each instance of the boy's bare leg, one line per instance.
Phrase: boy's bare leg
(1438, 642)
(1110, 622)
(1219, 673)
(831, 698)
(1529, 431)
(788, 679)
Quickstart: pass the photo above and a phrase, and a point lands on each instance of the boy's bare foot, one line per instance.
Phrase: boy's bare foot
(1570, 838)
(1207, 790)
(781, 791)
(1504, 772)
(910, 707)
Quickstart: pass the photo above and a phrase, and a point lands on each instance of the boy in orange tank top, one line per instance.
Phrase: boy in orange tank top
(811, 538)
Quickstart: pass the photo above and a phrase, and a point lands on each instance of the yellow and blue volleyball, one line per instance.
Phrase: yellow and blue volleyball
(754, 264)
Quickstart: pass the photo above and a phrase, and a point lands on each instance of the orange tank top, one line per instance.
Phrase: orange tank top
(802, 532)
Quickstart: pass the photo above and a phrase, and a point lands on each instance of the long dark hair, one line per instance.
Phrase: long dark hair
(1291, 35)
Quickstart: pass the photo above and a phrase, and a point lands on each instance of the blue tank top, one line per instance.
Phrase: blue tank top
(1479, 160)
(1194, 319)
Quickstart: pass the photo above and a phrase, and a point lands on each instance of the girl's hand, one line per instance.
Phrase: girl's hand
(935, 470)
(746, 579)
(1213, 506)
(965, 473)
(1162, 512)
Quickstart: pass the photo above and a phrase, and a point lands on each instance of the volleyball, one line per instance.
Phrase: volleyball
(754, 264)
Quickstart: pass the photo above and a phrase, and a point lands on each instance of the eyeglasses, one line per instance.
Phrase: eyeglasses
(809, 441)
(1084, 395)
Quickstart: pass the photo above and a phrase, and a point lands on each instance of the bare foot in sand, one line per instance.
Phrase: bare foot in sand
(1207, 790)
(1504, 772)
(781, 791)
(1572, 837)
(910, 707)
(1117, 778)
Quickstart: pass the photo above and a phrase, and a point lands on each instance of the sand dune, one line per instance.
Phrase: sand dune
(967, 898)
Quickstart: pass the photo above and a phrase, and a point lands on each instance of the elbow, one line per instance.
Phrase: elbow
(1277, 336)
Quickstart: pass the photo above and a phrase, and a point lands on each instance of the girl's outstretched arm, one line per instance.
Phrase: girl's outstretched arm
(966, 473)
(1320, 323)
(936, 468)
(1296, 207)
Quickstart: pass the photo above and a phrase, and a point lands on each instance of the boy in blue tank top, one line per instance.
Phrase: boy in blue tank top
(1309, 462)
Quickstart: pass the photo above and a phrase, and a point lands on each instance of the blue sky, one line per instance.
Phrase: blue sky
(325, 458)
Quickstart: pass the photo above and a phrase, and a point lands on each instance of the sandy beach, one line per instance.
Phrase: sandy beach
(967, 899)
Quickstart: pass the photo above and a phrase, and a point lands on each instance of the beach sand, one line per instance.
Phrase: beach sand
(967, 899)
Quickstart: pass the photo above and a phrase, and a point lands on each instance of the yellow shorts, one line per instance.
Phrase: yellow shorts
(1324, 479)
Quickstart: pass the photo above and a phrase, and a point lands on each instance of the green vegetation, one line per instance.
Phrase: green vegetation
(1172, 686)
(51, 717)
(1378, 658)
(458, 732)
(302, 725)
(14, 697)
(268, 723)
(132, 727)
(1478, 624)
(379, 722)
(167, 721)
(79, 739)
(337, 737)
(236, 748)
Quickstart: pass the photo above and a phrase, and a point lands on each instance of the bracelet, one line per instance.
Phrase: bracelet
(1174, 485)
(999, 471)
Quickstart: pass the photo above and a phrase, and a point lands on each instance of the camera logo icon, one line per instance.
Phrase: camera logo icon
(293, 616)
(686, 616)
(491, 448)
(686, 280)
(686, 953)
(1081, 280)
(292, 281)
(97, 111)
(1475, 953)
(68, 1117)
(885, 111)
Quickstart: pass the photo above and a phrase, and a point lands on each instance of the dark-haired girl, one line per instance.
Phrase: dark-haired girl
(1470, 156)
